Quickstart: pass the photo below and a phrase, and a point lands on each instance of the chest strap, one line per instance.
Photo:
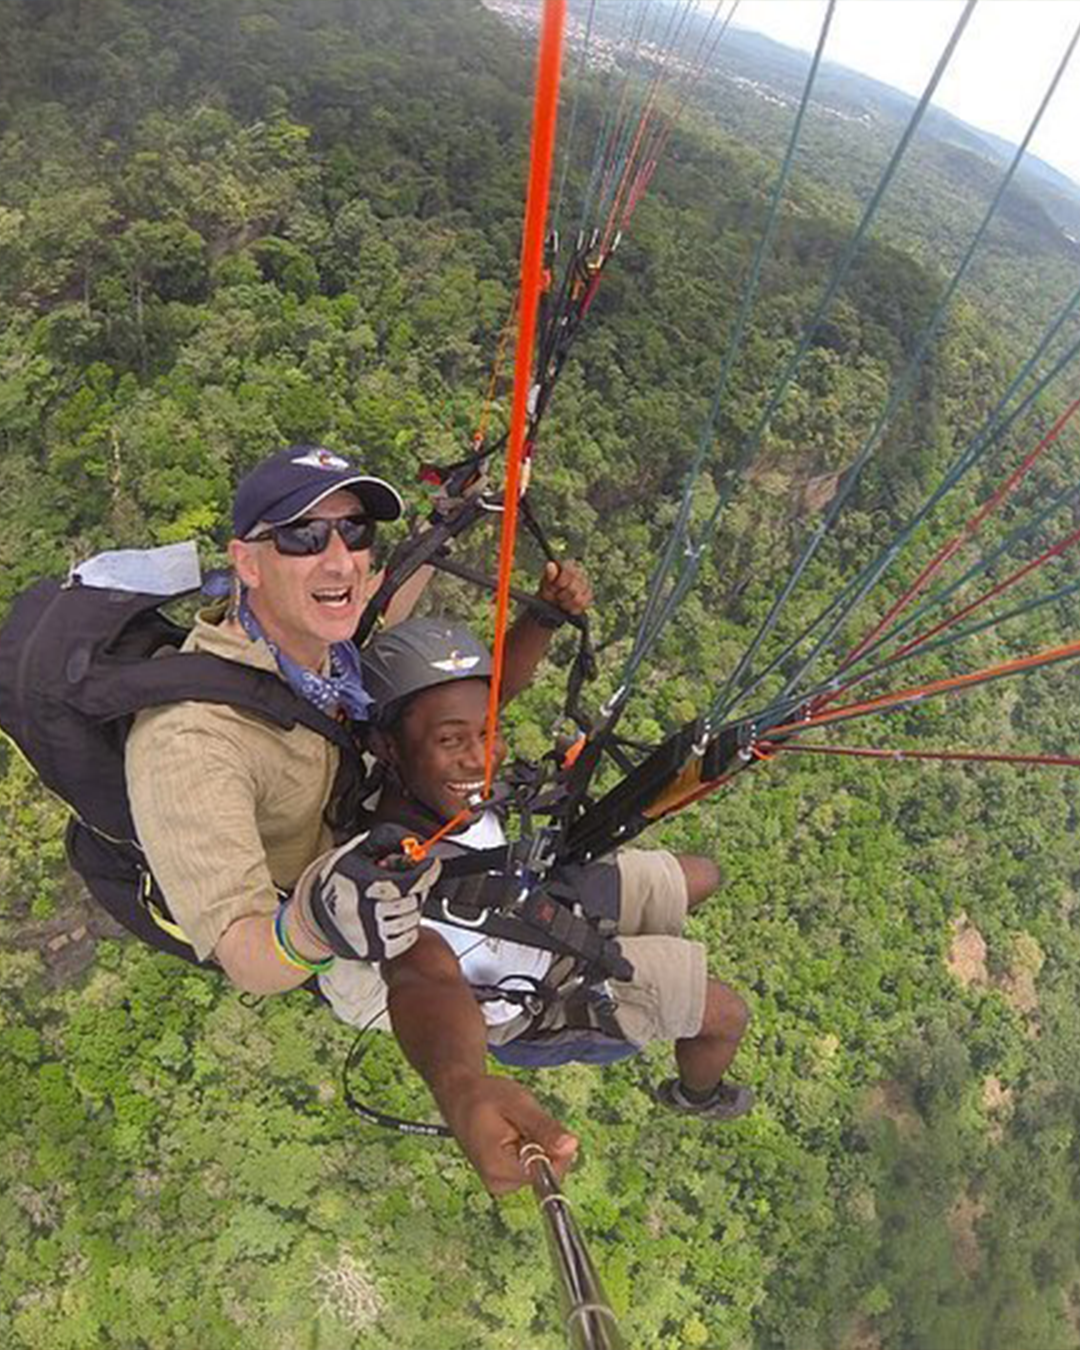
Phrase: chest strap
(498, 904)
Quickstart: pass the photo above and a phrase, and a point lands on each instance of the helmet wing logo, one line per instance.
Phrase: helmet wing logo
(455, 663)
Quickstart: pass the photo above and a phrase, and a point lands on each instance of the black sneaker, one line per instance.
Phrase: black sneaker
(727, 1102)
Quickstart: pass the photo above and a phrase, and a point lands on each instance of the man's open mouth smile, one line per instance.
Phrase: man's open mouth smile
(336, 597)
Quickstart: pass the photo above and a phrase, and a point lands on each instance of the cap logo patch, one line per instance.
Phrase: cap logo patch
(322, 459)
(455, 663)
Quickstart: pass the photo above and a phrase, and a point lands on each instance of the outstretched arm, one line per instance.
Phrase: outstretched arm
(564, 585)
(405, 598)
(439, 1026)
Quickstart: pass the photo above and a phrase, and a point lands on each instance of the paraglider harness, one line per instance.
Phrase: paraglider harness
(654, 777)
(77, 662)
(519, 892)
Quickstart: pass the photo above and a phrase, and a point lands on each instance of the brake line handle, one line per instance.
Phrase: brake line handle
(413, 849)
(588, 1319)
(417, 850)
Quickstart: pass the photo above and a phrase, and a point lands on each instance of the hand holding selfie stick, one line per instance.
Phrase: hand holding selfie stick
(587, 1316)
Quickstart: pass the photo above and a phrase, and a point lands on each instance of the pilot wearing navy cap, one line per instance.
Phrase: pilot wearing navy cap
(292, 482)
(231, 810)
(304, 522)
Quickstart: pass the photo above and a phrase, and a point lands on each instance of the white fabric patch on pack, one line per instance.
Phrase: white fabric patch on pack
(171, 569)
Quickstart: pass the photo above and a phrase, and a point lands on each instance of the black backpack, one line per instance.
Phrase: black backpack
(77, 662)
(74, 669)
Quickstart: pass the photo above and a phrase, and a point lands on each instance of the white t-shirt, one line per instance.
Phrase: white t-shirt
(485, 959)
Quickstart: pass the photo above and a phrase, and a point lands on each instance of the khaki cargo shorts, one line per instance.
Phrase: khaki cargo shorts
(665, 1000)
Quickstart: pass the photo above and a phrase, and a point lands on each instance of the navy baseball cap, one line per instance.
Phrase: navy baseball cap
(289, 483)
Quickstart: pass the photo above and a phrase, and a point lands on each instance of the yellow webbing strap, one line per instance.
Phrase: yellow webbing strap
(685, 782)
(166, 925)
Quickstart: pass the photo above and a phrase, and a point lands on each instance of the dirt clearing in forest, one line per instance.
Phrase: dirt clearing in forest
(964, 1214)
(966, 957)
(891, 1100)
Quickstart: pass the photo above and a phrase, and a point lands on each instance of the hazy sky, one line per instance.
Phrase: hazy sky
(996, 79)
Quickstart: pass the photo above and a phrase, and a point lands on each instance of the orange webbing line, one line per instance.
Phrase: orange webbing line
(918, 692)
(416, 851)
(545, 116)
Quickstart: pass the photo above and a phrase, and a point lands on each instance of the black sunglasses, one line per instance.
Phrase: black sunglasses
(303, 538)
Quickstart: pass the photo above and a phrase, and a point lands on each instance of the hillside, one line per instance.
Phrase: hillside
(752, 88)
(229, 224)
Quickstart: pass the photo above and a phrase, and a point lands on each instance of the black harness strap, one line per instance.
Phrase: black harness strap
(414, 552)
(470, 895)
(500, 893)
(623, 812)
(200, 677)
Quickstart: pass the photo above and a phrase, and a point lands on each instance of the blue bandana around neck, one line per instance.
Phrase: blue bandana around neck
(342, 689)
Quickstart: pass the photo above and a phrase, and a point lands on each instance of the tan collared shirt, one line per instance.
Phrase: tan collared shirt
(227, 807)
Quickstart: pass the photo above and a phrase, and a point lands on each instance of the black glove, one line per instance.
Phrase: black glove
(367, 896)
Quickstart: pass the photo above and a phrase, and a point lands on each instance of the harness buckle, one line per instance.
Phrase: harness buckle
(542, 853)
(459, 920)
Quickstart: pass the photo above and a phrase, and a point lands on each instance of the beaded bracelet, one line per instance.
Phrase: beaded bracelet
(287, 952)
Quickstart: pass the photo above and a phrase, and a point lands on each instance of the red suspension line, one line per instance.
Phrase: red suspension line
(950, 548)
(628, 170)
(634, 161)
(918, 692)
(630, 167)
(769, 748)
(620, 121)
(661, 134)
(1053, 552)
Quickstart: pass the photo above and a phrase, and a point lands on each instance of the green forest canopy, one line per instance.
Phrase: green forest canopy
(229, 225)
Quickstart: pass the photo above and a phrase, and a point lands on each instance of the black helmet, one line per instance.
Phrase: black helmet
(416, 655)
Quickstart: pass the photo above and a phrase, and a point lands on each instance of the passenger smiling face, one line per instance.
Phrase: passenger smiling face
(304, 603)
(437, 747)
